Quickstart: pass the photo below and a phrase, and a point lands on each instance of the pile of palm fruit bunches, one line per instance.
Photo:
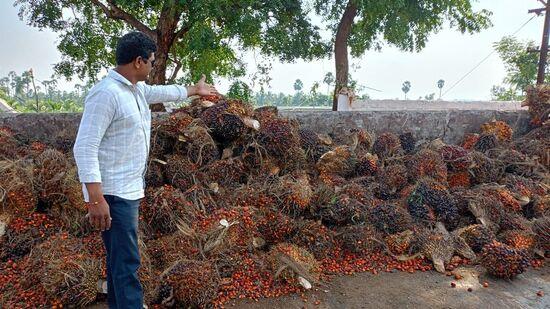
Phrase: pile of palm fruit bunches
(244, 203)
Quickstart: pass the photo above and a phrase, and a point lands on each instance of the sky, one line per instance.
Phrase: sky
(448, 55)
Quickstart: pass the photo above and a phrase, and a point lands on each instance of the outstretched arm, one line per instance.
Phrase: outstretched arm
(201, 88)
(173, 93)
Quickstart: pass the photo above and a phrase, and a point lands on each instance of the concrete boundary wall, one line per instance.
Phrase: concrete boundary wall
(425, 125)
(449, 125)
(438, 105)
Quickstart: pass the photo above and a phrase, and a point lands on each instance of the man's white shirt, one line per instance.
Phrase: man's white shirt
(113, 140)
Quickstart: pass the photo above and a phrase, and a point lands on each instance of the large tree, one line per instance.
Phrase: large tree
(368, 24)
(194, 36)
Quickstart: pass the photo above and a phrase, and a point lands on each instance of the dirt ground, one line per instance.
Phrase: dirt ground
(419, 290)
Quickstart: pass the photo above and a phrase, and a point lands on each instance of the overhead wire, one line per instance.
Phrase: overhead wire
(484, 59)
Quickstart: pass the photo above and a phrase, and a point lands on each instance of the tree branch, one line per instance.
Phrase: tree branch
(114, 12)
(176, 70)
(180, 33)
(185, 26)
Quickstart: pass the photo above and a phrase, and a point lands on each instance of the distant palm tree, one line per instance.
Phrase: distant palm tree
(298, 85)
(440, 84)
(406, 87)
(328, 80)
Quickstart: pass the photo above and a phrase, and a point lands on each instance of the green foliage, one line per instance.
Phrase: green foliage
(262, 76)
(17, 90)
(521, 68)
(500, 93)
(240, 90)
(315, 88)
(369, 24)
(5, 85)
(51, 99)
(300, 99)
(401, 23)
(7, 98)
(197, 37)
(429, 97)
(296, 100)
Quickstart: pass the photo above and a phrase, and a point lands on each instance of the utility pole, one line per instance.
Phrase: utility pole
(544, 45)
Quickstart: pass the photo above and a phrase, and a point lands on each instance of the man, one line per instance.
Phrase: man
(111, 151)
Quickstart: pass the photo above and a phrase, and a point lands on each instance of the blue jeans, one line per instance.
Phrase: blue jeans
(121, 243)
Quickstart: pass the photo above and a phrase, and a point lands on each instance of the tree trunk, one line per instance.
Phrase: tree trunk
(158, 73)
(166, 36)
(341, 50)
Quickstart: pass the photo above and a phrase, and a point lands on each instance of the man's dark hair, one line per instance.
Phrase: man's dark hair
(133, 45)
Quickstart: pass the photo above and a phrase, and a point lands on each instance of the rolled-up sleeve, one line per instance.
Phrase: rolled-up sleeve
(99, 111)
(164, 93)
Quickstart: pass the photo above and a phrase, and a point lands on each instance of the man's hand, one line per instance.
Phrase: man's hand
(98, 209)
(99, 215)
(202, 88)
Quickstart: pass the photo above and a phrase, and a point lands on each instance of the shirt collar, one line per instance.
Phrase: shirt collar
(116, 76)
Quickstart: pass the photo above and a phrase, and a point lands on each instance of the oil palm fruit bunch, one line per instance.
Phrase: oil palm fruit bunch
(538, 101)
(188, 283)
(386, 145)
(503, 261)
(500, 129)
